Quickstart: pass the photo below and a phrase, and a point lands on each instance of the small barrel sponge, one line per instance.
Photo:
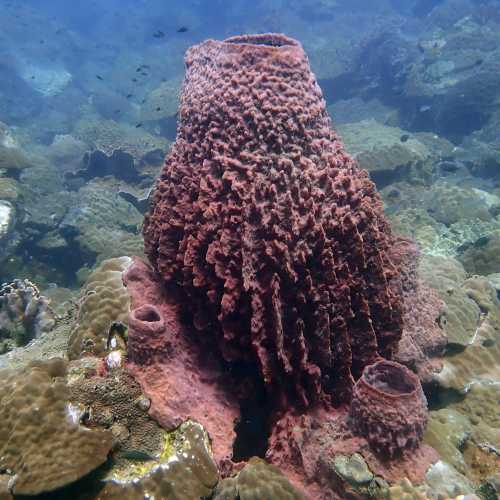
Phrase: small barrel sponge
(104, 301)
(257, 480)
(389, 408)
(42, 444)
(273, 233)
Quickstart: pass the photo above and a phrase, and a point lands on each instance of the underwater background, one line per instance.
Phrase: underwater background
(89, 108)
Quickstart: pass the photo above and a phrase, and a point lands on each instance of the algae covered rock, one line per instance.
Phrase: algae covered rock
(104, 301)
(353, 469)
(257, 479)
(184, 471)
(42, 444)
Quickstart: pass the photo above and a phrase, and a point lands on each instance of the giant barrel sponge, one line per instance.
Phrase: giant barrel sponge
(273, 234)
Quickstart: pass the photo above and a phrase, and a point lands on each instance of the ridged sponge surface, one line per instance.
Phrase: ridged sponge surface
(273, 233)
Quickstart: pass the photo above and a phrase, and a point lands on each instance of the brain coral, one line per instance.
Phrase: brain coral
(273, 233)
(42, 445)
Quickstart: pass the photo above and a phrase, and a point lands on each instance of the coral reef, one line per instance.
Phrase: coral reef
(238, 220)
(104, 302)
(43, 445)
(257, 480)
(389, 408)
(24, 314)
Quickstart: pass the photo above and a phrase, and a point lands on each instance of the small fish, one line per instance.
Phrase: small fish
(183, 29)
(482, 241)
(32, 77)
(138, 69)
(158, 34)
(59, 31)
(146, 66)
(158, 108)
(144, 73)
(143, 101)
(139, 125)
(99, 77)
(134, 79)
(42, 41)
(117, 111)
(129, 96)
(404, 137)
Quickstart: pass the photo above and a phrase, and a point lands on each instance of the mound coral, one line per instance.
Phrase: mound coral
(104, 301)
(42, 444)
(257, 480)
(269, 228)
